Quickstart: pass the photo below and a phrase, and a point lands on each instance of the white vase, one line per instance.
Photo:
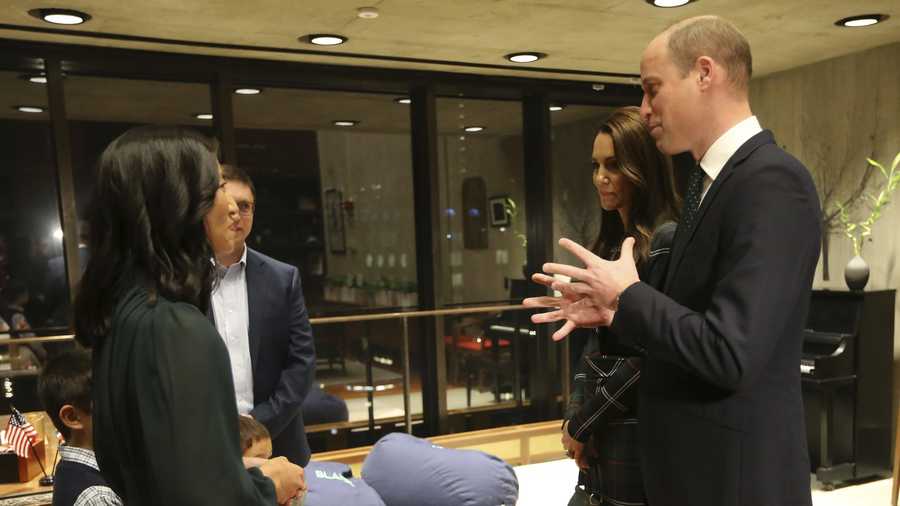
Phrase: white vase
(856, 273)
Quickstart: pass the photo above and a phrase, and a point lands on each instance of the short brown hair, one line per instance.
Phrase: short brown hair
(715, 37)
(235, 173)
(251, 431)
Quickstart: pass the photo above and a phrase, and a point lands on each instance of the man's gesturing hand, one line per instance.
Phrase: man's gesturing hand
(576, 310)
(592, 300)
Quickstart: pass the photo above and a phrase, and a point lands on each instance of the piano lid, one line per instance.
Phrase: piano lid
(822, 345)
(834, 312)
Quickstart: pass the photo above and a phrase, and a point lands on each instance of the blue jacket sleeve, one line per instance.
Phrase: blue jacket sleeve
(297, 376)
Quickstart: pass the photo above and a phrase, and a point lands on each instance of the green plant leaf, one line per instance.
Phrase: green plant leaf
(880, 167)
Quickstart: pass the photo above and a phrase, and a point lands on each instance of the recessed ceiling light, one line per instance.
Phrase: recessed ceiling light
(247, 91)
(403, 100)
(557, 107)
(324, 39)
(60, 16)
(863, 20)
(204, 115)
(367, 12)
(34, 78)
(668, 3)
(346, 122)
(473, 129)
(528, 57)
(31, 109)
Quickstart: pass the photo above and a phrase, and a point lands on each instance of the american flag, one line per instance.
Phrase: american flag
(20, 434)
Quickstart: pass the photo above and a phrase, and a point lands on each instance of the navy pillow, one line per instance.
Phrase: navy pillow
(322, 407)
(331, 484)
(408, 471)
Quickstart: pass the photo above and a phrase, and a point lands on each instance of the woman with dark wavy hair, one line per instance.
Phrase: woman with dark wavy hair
(636, 193)
(164, 413)
(635, 185)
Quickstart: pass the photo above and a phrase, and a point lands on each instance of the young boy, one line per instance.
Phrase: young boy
(255, 439)
(65, 391)
(256, 443)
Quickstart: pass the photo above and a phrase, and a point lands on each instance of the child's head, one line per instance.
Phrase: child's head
(65, 390)
(255, 438)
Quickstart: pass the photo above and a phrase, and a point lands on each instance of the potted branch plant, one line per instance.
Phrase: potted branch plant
(857, 271)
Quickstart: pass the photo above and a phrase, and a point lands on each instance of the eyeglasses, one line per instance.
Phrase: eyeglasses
(245, 208)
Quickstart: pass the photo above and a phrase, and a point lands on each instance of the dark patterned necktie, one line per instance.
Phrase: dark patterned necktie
(692, 198)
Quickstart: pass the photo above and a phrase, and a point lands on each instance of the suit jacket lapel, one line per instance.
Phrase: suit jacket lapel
(684, 237)
(255, 310)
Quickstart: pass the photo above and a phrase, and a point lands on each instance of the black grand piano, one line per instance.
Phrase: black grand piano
(847, 377)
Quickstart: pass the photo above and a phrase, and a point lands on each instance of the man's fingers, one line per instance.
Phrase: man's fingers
(569, 289)
(580, 251)
(542, 279)
(543, 301)
(627, 252)
(564, 331)
(563, 288)
(548, 317)
(568, 270)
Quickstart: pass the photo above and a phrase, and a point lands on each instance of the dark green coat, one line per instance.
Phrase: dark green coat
(165, 419)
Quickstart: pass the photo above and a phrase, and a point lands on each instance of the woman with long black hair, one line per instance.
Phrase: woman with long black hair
(164, 413)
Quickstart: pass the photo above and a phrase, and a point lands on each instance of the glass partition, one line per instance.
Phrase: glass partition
(482, 199)
(34, 291)
(485, 358)
(333, 175)
(362, 391)
(359, 391)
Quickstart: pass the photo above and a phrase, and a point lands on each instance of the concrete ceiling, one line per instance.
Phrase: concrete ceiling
(593, 36)
(578, 35)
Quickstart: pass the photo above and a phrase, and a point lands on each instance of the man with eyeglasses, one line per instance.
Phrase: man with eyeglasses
(258, 309)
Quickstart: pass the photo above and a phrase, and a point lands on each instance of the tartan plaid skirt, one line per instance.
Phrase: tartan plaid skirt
(614, 476)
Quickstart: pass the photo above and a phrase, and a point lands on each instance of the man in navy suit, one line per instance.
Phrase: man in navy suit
(258, 309)
(722, 420)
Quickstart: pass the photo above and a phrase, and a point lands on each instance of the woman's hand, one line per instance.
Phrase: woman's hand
(574, 448)
(287, 477)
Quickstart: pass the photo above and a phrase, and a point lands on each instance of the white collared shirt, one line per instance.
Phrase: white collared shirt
(724, 148)
(232, 315)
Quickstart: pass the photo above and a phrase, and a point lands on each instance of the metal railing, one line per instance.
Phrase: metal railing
(403, 316)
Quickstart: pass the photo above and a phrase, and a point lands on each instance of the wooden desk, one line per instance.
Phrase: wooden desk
(8, 489)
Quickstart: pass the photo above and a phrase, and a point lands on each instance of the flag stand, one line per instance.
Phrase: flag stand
(31, 441)
(46, 480)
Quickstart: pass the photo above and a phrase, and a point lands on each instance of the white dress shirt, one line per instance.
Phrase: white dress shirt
(725, 146)
(232, 315)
